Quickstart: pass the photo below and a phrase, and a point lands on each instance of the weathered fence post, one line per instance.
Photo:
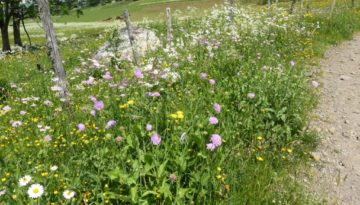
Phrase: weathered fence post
(293, 5)
(130, 34)
(53, 50)
(332, 7)
(268, 7)
(169, 26)
(232, 2)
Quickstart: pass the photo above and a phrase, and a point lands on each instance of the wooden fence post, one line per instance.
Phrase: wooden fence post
(53, 50)
(130, 34)
(332, 7)
(293, 5)
(169, 26)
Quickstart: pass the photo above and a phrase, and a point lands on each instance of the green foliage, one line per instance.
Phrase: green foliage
(262, 85)
(4, 89)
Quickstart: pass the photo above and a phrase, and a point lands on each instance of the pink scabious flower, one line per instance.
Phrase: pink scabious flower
(212, 82)
(22, 112)
(47, 138)
(98, 105)
(213, 120)
(155, 139)
(107, 76)
(314, 83)
(210, 146)
(216, 140)
(292, 63)
(90, 81)
(217, 108)
(203, 76)
(138, 73)
(81, 127)
(154, 94)
(110, 124)
(93, 112)
(149, 127)
(16, 124)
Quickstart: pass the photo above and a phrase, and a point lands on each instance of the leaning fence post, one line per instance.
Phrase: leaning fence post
(169, 26)
(130, 34)
(332, 7)
(53, 50)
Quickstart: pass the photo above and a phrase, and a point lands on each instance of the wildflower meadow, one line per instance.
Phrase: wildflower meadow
(218, 116)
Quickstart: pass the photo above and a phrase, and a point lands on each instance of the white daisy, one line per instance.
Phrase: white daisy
(23, 181)
(35, 191)
(53, 168)
(68, 194)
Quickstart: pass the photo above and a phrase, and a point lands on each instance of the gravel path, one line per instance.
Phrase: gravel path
(337, 120)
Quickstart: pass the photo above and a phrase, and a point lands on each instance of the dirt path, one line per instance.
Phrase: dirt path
(337, 120)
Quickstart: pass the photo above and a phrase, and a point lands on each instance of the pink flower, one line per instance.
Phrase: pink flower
(16, 124)
(110, 124)
(212, 82)
(203, 76)
(93, 112)
(216, 140)
(149, 127)
(47, 138)
(81, 127)
(47, 102)
(22, 112)
(314, 83)
(217, 108)
(139, 74)
(210, 146)
(107, 76)
(213, 120)
(98, 105)
(90, 81)
(156, 139)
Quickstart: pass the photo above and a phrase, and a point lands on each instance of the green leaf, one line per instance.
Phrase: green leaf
(133, 194)
(161, 169)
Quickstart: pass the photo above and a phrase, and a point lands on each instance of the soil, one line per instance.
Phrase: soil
(336, 170)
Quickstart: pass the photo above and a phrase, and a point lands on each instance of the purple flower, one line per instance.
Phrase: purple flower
(212, 82)
(16, 124)
(203, 76)
(107, 76)
(217, 108)
(292, 63)
(155, 94)
(149, 127)
(155, 139)
(98, 105)
(22, 112)
(138, 73)
(93, 112)
(90, 81)
(110, 124)
(210, 146)
(173, 177)
(81, 127)
(314, 83)
(251, 95)
(216, 140)
(47, 138)
(213, 120)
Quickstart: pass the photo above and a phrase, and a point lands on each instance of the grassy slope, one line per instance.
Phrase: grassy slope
(151, 9)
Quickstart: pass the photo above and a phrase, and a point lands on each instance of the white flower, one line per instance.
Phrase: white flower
(68, 194)
(35, 191)
(23, 181)
(53, 168)
(2, 192)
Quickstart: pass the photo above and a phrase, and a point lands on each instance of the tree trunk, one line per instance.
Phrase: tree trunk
(353, 3)
(53, 50)
(16, 30)
(24, 27)
(5, 38)
(333, 3)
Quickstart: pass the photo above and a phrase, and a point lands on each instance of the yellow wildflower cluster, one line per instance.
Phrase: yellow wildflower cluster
(127, 105)
(179, 115)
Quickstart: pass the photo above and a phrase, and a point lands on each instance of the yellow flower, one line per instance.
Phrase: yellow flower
(56, 192)
(289, 151)
(260, 159)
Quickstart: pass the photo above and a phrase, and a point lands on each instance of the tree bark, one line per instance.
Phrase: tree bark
(53, 50)
(5, 38)
(24, 27)
(16, 31)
